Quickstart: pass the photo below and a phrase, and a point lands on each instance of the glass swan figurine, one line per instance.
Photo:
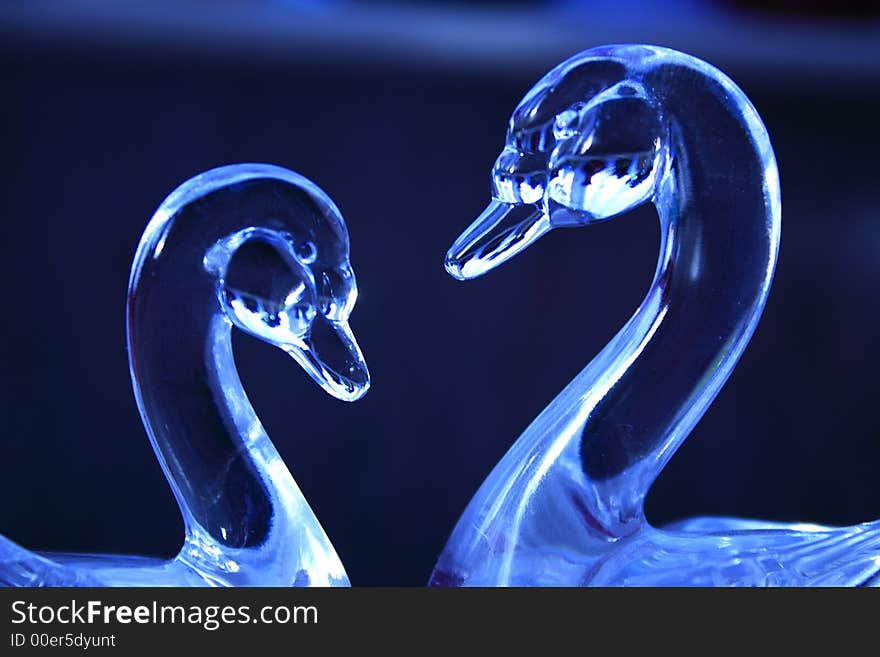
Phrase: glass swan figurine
(605, 131)
(263, 249)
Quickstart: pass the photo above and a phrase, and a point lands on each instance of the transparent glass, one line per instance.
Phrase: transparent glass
(605, 131)
(263, 249)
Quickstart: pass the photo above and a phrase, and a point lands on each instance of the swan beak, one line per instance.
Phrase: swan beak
(332, 357)
(498, 234)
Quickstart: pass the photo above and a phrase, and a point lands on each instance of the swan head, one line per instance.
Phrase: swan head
(287, 279)
(583, 146)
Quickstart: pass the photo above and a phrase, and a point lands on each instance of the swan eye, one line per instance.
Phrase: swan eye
(306, 252)
(566, 124)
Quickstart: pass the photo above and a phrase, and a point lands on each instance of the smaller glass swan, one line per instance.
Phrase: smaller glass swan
(603, 132)
(263, 249)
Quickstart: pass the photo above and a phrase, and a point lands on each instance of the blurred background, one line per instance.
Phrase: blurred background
(397, 111)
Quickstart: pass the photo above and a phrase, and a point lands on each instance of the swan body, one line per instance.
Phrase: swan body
(263, 249)
(605, 131)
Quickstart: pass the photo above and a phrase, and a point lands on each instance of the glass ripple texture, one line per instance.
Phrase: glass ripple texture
(263, 249)
(605, 131)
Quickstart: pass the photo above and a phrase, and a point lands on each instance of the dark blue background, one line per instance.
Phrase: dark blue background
(98, 124)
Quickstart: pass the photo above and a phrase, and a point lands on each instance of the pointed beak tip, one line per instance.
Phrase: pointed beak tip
(455, 268)
(352, 385)
(352, 390)
(356, 394)
(333, 359)
(500, 232)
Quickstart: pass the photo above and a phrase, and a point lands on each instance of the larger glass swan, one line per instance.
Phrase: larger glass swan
(607, 130)
(263, 249)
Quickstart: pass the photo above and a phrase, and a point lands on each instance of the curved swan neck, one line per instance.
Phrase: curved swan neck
(244, 515)
(197, 415)
(718, 204)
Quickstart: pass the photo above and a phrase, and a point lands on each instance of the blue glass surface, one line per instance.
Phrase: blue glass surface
(605, 131)
(263, 249)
